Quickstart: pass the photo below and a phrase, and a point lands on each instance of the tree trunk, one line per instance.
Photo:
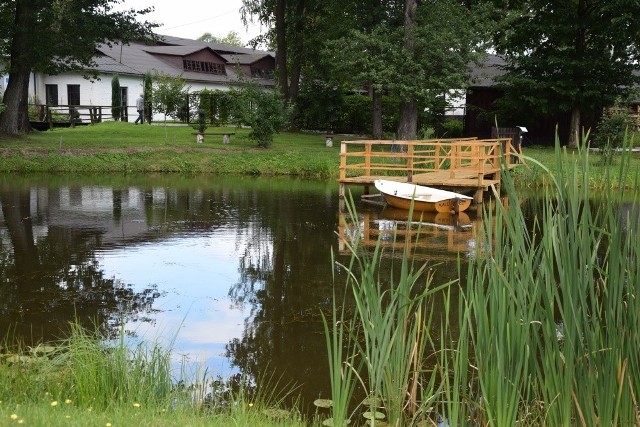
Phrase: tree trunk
(15, 119)
(17, 217)
(408, 126)
(281, 50)
(376, 116)
(296, 66)
(407, 129)
(574, 129)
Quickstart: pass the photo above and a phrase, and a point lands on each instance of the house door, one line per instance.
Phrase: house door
(73, 94)
(124, 97)
(51, 93)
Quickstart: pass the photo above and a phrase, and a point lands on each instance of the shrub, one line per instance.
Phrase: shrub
(148, 96)
(610, 133)
(262, 110)
(452, 128)
(202, 121)
(205, 104)
(116, 98)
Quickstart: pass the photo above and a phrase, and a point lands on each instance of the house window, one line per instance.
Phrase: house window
(51, 93)
(73, 94)
(203, 67)
(262, 73)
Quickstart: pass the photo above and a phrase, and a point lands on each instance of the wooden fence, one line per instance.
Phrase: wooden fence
(72, 115)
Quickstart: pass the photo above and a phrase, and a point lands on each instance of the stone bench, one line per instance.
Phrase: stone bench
(226, 136)
(328, 139)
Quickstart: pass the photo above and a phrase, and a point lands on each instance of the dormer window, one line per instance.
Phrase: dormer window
(203, 67)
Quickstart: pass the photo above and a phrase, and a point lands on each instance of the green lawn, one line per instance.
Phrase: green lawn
(127, 148)
(124, 147)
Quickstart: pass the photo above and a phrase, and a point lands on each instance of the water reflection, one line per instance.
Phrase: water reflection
(428, 236)
(235, 270)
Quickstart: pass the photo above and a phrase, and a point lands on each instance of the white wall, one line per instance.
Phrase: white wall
(98, 92)
(457, 100)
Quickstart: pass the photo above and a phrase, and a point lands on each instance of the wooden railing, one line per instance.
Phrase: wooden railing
(74, 114)
(382, 158)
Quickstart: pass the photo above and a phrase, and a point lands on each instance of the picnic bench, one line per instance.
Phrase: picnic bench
(226, 136)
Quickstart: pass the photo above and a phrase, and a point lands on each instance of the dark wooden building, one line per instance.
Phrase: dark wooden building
(483, 112)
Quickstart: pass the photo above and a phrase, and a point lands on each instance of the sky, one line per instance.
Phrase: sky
(192, 18)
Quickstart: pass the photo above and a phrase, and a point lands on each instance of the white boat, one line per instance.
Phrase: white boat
(424, 199)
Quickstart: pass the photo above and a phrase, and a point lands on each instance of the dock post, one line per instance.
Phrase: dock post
(478, 198)
(341, 191)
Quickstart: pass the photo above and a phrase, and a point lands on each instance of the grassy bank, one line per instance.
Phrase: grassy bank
(125, 148)
(83, 381)
(600, 176)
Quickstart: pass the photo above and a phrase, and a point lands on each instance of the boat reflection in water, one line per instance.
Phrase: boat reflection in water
(429, 235)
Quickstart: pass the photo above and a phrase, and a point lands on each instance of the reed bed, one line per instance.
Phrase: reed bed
(548, 325)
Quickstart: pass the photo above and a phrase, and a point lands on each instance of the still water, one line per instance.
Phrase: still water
(234, 271)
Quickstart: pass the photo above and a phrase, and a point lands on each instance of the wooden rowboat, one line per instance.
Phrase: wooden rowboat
(424, 199)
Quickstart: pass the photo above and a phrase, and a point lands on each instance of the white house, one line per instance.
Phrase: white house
(203, 66)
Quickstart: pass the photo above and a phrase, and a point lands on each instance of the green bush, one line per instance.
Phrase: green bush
(611, 129)
(148, 96)
(610, 134)
(452, 128)
(205, 104)
(322, 108)
(116, 98)
(223, 101)
(262, 110)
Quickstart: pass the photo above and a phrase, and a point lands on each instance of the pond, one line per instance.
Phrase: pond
(233, 271)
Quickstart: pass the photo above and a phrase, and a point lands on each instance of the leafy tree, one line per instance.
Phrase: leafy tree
(262, 110)
(232, 39)
(365, 59)
(569, 56)
(116, 98)
(290, 22)
(413, 51)
(73, 29)
(169, 94)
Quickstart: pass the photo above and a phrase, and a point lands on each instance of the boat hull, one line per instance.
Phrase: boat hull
(443, 206)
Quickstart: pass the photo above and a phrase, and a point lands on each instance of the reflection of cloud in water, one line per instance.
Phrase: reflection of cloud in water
(196, 272)
(220, 324)
(203, 331)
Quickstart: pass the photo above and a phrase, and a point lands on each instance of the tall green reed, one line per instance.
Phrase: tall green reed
(103, 375)
(90, 372)
(389, 334)
(552, 308)
(548, 323)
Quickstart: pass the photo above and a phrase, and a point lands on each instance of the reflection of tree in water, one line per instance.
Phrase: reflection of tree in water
(53, 280)
(286, 278)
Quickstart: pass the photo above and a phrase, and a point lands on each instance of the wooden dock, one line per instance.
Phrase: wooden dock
(462, 165)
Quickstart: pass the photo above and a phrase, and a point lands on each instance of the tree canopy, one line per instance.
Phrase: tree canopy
(73, 29)
(409, 49)
(232, 39)
(575, 56)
